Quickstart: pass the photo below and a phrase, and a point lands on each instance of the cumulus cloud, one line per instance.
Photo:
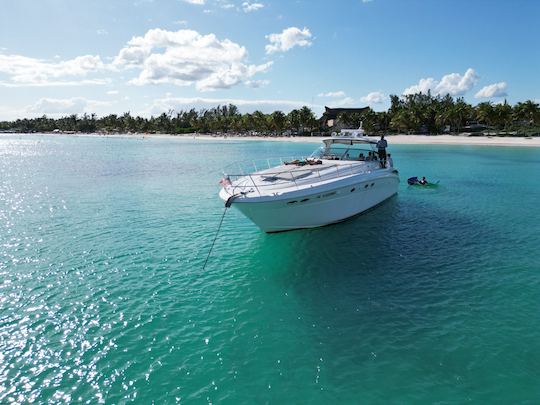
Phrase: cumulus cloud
(182, 57)
(375, 97)
(288, 39)
(59, 106)
(196, 2)
(457, 85)
(493, 90)
(423, 86)
(255, 84)
(186, 57)
(245, 106)
(249, 7)
(58, 83)
(453, 84)
(339, 93)
(346, 101)
(25, 71)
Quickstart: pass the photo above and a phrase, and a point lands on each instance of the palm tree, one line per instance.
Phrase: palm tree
(260, 122)
(383, 121)
(293, 120)
(369, 120)
(503, 115)
(400, 121)
(485, 113)
(277, 121)
(306, 118)
(527, 111)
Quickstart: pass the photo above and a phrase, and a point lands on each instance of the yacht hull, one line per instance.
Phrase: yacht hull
(318, 206)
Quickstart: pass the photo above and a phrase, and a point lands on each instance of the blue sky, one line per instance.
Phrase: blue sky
(149, 56)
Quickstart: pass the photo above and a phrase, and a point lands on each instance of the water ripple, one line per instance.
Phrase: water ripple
(430, 298)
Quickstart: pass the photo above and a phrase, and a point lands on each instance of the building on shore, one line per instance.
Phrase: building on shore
(330, 115)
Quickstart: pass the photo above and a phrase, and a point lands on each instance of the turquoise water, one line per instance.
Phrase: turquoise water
(432, 297)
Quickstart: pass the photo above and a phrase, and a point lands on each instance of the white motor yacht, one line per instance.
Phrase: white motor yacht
(342, 179)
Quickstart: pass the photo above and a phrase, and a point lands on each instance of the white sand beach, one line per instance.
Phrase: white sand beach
(392, 139)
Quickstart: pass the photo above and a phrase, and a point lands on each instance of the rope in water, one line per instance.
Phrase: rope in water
(227, 205)
(215, 238)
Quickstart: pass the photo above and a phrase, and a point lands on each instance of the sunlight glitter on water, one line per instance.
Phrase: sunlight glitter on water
(102, 297)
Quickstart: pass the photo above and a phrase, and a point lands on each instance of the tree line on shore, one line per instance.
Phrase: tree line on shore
(414, 113)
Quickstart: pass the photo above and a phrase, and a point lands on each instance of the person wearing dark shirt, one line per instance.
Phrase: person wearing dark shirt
(381, 150)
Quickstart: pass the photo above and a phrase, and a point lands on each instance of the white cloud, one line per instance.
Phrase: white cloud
(58, 106)
(181, 22)
(375, 97)
(255, 84)
(453, 84)
(339, 93)
(249, 7)
(493, 90)
(245, 106)
(58, 83)
(182, 57)
(112, 92)
(102, 31)
(197, 2)
(457, 85)
(25, 71)
(288, 39)
(346, 101)
(186, 57)
(12, 113)
(422, 87)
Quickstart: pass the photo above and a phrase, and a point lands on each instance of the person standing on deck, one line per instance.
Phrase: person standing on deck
(381, 150)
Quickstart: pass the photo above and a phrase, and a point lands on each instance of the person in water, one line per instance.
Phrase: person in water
(423, 181)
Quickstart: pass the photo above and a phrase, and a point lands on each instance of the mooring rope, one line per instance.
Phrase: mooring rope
(228, 203)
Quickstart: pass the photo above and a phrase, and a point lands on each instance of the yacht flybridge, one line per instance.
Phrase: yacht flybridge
(342, 179)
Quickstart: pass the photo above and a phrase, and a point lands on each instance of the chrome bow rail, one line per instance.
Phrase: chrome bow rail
(265, 181)
(246, 167)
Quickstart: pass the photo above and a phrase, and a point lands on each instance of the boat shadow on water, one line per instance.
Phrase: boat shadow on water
(400, 267)
(403, 240)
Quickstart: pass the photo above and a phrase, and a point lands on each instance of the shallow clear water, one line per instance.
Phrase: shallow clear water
(432, 297)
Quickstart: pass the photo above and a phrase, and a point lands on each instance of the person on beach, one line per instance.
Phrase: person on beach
(381, 149)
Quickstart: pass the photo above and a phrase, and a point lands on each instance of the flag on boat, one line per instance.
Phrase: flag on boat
(225, 181)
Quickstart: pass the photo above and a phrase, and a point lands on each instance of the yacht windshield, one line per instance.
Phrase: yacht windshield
(338, 151)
